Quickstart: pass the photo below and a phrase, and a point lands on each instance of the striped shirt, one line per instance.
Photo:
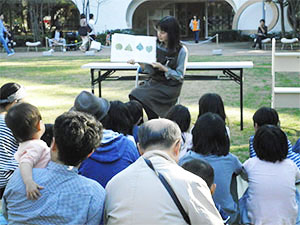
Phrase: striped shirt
(295, 157)
(8, 147)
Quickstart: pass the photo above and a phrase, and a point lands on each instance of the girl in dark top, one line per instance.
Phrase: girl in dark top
(261, 34)
(160, 92)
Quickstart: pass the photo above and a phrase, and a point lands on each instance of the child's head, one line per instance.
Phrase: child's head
(136, 111)
(10, 93)
(202, 169)
(213, 103)
(48, 135)
(25, 122)
(118, 118)
(270, 143)
(180, 115)
(264, 116)
(210, 135)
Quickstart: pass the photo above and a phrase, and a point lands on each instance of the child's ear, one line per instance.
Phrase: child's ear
(141, 151)
(213, 188)
(38, 125)
(53, 145)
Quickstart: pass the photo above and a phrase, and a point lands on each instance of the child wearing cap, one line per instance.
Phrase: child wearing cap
(26, 124)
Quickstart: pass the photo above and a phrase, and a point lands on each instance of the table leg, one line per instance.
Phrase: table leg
(241, 98)
(99, 83)
(92, 80)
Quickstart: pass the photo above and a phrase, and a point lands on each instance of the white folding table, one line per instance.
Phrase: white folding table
(230, 71)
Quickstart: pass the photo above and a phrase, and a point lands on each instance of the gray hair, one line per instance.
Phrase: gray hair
(158, 132)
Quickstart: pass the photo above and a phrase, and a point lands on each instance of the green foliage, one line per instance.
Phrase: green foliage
(102, 37)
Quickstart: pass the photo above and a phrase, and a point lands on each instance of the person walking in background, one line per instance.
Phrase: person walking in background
(2, 40)
(108, 39)
(83, 32)
(92, 34)
(195, 27)
(261, 34)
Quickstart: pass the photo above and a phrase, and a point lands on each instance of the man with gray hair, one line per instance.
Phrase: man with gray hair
(139, 194)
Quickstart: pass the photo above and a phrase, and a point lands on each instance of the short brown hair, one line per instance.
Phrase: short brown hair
(22, 119)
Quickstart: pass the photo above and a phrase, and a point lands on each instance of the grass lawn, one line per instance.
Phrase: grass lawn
(53, 82)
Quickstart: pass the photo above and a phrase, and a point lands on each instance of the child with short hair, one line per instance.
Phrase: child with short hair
(26, 124)
(264, 116)
(181, 115)
(202, 169)
(211, 143)
(118, 119)
(271, 196)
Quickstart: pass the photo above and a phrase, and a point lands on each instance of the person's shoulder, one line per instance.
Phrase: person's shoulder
(289, 162)
(35, 144)
(183, 49)
(92, 185)
(178, 174)
(122, 176)
(232, 156)
(190, 155)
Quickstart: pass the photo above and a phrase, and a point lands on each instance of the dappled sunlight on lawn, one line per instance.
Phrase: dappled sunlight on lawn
(53, 83)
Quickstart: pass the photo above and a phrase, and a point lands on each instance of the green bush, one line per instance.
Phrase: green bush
(102, 37)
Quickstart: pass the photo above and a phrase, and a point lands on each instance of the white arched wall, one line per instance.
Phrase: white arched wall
(134, 4)
(249, 14)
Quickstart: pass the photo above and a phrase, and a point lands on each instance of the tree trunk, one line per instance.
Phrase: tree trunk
(282, 17)
(294, 9)
(25, 15)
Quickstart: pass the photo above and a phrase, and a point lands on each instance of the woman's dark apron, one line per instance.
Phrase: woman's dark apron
(158, 93)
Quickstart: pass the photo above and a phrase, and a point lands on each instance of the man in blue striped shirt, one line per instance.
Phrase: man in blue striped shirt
(264, 116)
(66, 196)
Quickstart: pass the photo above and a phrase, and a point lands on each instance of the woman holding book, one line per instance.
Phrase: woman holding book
(161, 91)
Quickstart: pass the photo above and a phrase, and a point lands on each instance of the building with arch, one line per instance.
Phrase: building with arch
(215, 15)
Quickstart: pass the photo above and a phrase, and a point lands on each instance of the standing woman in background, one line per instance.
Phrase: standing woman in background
(83, 32)
(195, 27)
(161, 91)
(10, 94)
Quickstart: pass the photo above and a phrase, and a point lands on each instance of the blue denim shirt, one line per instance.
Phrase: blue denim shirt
(67, 198)
(2, 28)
